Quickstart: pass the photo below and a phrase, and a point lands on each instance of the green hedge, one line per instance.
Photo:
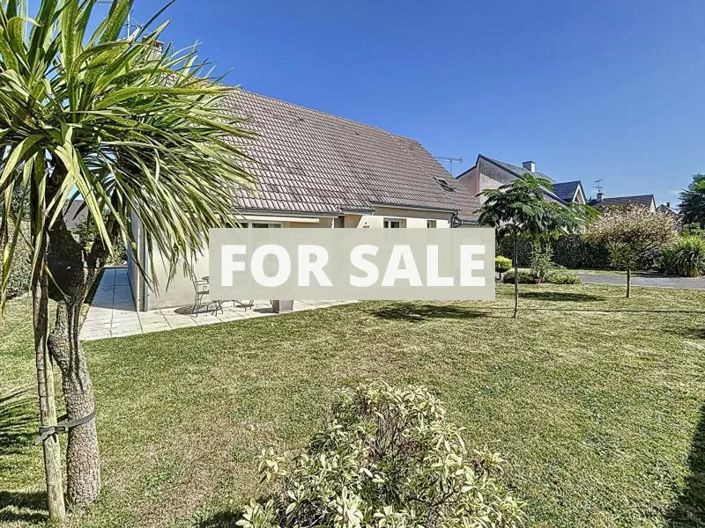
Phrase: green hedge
(553, 277)
(571, 251)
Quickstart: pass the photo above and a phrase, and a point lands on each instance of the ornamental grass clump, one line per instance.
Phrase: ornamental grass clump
(685, 258)
(386, 457)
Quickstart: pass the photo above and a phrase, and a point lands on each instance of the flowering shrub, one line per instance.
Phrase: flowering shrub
(632, 233)
(386, 457)
(632, 236)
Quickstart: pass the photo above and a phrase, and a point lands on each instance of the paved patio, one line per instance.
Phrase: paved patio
(112, 312)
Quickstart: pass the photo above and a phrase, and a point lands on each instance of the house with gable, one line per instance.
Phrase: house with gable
(317, 170)
(490, 173)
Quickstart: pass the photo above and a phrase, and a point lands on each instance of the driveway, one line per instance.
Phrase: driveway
(652, 281)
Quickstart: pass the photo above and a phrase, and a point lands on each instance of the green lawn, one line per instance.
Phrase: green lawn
(596, 402)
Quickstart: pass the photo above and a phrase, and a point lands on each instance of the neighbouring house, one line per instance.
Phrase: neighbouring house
(317, 170)
(642, 200)
(489, 173)
(666, 208)
(570, 192)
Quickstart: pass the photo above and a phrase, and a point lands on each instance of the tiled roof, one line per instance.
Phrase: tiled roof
(642, 199)
(310, 162)
(566, 190)
(516, 169)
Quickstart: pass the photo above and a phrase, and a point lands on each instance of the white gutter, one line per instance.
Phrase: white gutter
(297, 219)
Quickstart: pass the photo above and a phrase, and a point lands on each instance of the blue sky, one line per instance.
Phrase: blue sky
(600, 89)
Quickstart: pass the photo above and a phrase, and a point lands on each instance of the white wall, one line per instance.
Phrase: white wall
(476, 181)
(180, 291)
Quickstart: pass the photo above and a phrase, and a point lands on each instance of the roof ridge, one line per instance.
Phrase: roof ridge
(328, 114)
(630, 196)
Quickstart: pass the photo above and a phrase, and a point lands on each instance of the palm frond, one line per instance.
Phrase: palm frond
(142, 133)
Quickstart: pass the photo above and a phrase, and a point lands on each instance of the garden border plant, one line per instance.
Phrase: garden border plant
(385, 457)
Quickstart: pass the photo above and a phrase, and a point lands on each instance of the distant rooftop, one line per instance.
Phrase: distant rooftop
(516, 169)
(566, 190)
(640, 199)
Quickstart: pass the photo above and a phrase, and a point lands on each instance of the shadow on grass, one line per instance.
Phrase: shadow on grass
(417, 313)
(694, 333)
(222, 519)
(610, 310)
(689, 510)
(560, 296)
(17, 422)
(21, 507)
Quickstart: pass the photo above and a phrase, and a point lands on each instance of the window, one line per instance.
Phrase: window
(430, 224)
(394, 223)
(258, 225)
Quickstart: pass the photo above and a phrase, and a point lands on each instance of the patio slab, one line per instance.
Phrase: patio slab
(112, 312)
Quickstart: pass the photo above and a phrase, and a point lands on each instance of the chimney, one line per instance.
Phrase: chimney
(530, 166)
(600, 196)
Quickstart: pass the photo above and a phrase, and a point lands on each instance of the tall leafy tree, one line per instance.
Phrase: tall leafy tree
(631, 233)
(139, 132)
(693, 202)
(522, 209)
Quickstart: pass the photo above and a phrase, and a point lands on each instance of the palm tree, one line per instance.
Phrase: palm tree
(137, 131)
(520, 209)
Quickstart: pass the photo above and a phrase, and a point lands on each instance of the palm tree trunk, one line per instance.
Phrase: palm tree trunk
(516, 275)
(74, 277)
(45, 374)
(629, 282)
(82, 451)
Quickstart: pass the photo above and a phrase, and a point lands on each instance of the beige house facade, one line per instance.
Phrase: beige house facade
(315, 170)
(489, 173)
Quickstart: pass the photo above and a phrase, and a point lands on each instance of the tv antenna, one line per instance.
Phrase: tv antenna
(128, 22)
(450, 162)
(598, 185)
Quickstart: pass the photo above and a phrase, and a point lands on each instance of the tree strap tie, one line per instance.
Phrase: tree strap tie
(62, 427)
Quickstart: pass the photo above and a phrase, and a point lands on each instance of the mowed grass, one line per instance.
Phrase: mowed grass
(595, 401)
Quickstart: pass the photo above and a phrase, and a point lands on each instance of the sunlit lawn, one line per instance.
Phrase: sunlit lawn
(595, 401)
